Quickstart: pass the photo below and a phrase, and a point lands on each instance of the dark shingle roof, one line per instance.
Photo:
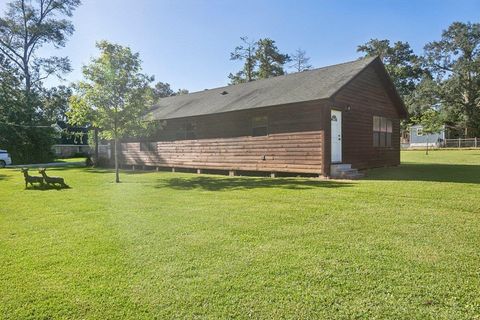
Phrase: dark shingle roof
(310, 85)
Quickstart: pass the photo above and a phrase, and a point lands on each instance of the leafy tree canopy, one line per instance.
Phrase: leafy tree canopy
(245, 52)
(115, 95)
(400, 61)
(26, 27)
(261, 59)
(270, 60)
(162, 90)
(454, 61)
(26, 108)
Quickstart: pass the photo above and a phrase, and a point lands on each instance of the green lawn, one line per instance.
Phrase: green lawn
(70, 160)
(403, 243)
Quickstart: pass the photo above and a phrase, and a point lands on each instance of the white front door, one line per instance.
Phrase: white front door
(336, 119)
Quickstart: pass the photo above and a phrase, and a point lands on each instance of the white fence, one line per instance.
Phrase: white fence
(462, 143)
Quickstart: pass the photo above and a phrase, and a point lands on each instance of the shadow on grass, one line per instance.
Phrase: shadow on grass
(46, 187)
(223, 183)
(4, 177)
(112, 171)
(455, 173)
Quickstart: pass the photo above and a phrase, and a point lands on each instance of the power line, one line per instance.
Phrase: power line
(24, 125)
(54, 126)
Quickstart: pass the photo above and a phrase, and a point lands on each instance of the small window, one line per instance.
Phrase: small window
(376, 123)
(389, 133)
(186, 131)
(180, 133)
(419, 132)
(376, 139)
(382, 132)
(259, 126)
(148, 146)
(190, 131)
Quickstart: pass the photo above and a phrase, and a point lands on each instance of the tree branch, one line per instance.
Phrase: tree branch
(10, 56)
(442, 67)
(3, 43)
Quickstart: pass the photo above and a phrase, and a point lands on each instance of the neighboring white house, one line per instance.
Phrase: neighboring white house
(419, 139)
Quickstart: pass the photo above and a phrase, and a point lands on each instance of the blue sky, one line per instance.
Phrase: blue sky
(187, 43)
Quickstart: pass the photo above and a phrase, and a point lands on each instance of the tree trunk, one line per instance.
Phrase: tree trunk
(117, 174)
(427, 148)
(28, 84)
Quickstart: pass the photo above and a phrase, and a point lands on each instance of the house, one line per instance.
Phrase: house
(72, 142)
(420, 139)
(317, 122)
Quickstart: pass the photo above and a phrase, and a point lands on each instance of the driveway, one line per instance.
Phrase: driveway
(49, 165)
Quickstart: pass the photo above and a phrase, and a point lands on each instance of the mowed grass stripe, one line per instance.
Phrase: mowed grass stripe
(402, 243)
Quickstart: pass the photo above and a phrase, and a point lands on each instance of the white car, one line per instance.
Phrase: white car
(5, 159)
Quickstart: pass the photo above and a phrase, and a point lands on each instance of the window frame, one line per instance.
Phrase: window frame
(186, 131)
(257, 124)
(190, 130)
(382, 129)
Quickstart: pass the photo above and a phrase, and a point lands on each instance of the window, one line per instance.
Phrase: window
(148, 146)
(190, 131)
(382, 132)
(419, 132)
(186, 131)
(376, 131)
(180, 134)
(259, 126)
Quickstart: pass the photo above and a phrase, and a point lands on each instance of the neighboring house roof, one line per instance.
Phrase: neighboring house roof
(310, 85)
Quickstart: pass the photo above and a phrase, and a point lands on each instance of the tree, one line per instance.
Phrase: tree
(300, 61)
(27, 143)
(181, 91)
(10, 105)
(424, 97)
(245, 52)
(55, 103)
(403, 65)
(270, 60)
(9, 92)
(162, 90)
(27, 26)
(115, 96)
(454, 61)
(431, 122)
(261, 58)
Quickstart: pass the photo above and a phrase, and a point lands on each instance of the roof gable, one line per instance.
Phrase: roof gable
(384, 80)
(303, 86)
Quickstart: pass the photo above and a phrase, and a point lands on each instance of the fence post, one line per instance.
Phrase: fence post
(459, 143)
(475, 142)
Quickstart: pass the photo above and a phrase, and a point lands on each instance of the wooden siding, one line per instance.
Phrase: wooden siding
(366, 97)
(283, 152)
(224, 142)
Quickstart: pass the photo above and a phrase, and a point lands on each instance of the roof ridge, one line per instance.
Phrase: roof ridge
(276, 77)
(316, 84)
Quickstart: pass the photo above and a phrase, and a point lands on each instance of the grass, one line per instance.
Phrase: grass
(71, 160)
(402, 243)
